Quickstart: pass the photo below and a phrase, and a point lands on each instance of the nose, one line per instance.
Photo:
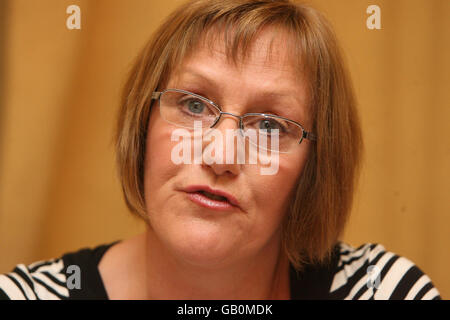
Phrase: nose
(221, 146)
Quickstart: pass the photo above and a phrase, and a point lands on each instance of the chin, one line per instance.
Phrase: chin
(202, 245)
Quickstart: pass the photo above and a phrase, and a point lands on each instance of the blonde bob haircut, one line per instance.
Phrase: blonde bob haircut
(321, 202)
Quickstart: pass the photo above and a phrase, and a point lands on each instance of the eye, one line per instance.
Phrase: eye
(195, 106)
(267, 125)
(270, 124)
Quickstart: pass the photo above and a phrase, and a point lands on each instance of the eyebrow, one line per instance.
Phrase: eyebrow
(289, 108)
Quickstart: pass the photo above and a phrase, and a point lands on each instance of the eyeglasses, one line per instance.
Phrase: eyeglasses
(183, 108)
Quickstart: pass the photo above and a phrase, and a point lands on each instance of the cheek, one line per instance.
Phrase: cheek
(158, 155)
(291, 168)
(272, 192)
(159, 167)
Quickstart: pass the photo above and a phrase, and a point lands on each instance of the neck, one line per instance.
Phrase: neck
(262, 276)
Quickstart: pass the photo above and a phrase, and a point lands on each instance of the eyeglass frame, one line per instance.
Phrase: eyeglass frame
(156, 95)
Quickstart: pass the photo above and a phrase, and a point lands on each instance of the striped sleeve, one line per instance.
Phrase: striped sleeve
(370, 272)
(42, 280)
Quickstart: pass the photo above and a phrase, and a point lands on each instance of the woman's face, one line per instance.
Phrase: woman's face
(205, 236)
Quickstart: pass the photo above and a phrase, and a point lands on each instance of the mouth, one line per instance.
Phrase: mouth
(211, 198)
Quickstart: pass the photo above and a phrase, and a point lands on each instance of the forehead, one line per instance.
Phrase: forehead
(271, 50)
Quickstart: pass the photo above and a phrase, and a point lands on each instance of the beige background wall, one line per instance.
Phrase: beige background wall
(59, 95)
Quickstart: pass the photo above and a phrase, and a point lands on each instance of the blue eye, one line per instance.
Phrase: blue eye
(271, 124)
(195, 106)
(191, 106)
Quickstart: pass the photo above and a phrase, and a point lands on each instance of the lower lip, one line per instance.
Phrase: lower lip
(206, 202)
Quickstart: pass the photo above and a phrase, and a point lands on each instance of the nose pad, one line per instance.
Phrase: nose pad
(215, 121)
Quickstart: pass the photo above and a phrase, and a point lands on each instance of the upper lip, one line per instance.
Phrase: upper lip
(195, 188)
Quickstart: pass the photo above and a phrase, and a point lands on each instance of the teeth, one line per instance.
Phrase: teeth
(213, 196)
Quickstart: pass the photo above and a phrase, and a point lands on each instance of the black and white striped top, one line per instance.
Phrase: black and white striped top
(366, 272)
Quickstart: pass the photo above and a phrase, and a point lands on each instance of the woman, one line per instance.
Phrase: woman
(269, 72)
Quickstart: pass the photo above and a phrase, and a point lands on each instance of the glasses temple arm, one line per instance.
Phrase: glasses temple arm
(156, 95)
(309, 136)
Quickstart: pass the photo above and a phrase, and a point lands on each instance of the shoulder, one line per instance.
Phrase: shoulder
(372, 272)
(48, 279)
(40, 280)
